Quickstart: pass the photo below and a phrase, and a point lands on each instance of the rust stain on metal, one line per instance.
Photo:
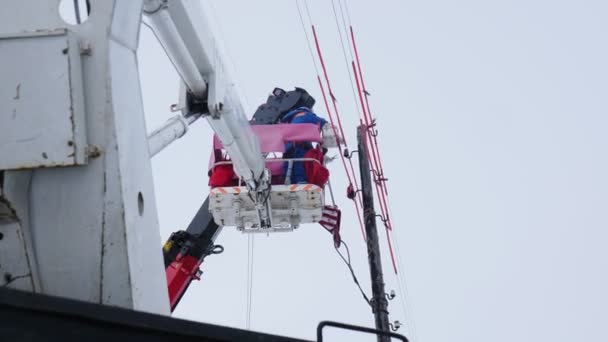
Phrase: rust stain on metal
(9, 213)
(72, 143)
(103, 239)
(41, 165)
(18, 92)
(94, 151)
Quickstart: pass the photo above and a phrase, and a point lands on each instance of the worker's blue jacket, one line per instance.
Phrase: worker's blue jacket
(298, 150)
(303, 115)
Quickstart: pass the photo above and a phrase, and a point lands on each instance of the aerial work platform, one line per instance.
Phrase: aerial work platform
(291, 204)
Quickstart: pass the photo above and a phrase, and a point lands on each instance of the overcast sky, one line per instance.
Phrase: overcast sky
(492, 119)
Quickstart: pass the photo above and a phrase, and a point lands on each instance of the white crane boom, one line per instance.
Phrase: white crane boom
(182, 29)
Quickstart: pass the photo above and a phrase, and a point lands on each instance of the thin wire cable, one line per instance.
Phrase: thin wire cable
(403, 288)
(368, 119)
(347, 13)
(250, 254)
(350, 50)
(308, 45)
(379, 167)
(331, 193)
(379, 176)
(247, 287)
(401, 283)
(381, 200)
(352, 271)
(362, 94)
(164, 49)
(364, 136)
(350, 75)
(316, 40)
(342, 158)
(346, 25)
(334, 103)
(374, 155)
(381, 188)
(308, 12)
(365, 144)
(227, 52)
(404, 294)
(350, 179)
(331, 92)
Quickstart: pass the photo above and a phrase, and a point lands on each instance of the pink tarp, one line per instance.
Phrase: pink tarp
(273, 137)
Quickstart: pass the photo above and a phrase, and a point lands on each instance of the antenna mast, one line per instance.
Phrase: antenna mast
(379, 302)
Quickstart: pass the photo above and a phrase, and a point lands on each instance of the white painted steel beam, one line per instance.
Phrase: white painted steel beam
(166, 32)
(170, 131)
(184, 32)
(93, 227)
(190, 26)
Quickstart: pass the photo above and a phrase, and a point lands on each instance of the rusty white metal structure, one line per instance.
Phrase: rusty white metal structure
(78, 217)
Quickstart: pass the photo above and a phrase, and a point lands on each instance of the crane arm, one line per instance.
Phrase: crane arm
(184, 32)
(185, 251)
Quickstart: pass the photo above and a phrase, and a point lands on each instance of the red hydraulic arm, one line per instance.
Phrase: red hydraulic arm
(184, 252)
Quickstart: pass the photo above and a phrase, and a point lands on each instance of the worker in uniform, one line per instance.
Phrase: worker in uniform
(300, 149)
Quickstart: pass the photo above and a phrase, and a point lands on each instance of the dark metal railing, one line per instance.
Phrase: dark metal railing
(356, 328)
